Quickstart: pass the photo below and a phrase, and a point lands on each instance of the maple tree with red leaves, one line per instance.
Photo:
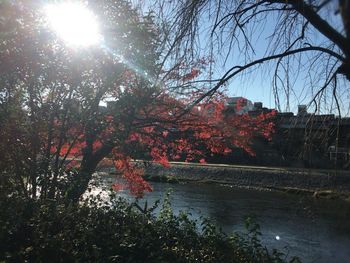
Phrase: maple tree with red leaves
(158, 130)
(54, 94)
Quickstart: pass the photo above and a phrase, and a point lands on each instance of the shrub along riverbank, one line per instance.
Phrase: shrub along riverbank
(116, 231)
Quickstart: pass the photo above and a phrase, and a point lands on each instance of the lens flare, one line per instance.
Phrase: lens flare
(74, 23)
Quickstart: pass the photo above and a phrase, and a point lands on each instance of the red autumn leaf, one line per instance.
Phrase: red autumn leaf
(118, 187)
(165, 133)
(193, 74)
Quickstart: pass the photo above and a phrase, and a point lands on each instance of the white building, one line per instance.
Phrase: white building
(240, 105)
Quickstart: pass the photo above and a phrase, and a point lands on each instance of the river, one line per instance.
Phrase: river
(316, 230)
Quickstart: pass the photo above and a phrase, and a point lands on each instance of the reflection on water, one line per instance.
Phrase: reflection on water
(315, 230)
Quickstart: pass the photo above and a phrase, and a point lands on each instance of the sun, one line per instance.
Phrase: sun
(74, 22)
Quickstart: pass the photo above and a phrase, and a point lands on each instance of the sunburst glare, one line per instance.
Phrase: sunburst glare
(74, 23)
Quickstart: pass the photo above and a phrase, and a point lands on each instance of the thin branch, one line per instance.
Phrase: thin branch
(228, 75)
(320, 24)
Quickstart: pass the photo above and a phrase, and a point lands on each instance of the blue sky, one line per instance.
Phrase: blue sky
(304, 81)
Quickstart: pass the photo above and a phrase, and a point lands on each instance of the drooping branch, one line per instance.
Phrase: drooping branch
(238, 69)
(320, 24)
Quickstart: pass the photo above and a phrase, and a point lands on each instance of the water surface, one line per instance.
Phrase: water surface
(316, 230)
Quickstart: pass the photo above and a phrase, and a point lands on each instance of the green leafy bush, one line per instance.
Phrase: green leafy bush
(116, 231)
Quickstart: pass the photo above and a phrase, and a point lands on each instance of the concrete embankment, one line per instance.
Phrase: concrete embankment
(320, 183)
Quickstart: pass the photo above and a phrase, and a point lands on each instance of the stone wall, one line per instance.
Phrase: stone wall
(261, 177)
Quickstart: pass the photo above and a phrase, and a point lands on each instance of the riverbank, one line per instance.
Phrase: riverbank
(329, 184)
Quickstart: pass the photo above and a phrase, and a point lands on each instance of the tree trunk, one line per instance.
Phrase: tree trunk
(81, 180)
(88, 166)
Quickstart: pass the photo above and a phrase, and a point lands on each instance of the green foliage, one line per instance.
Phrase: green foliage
(115, 231)
(248, 247)
(160, 178)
